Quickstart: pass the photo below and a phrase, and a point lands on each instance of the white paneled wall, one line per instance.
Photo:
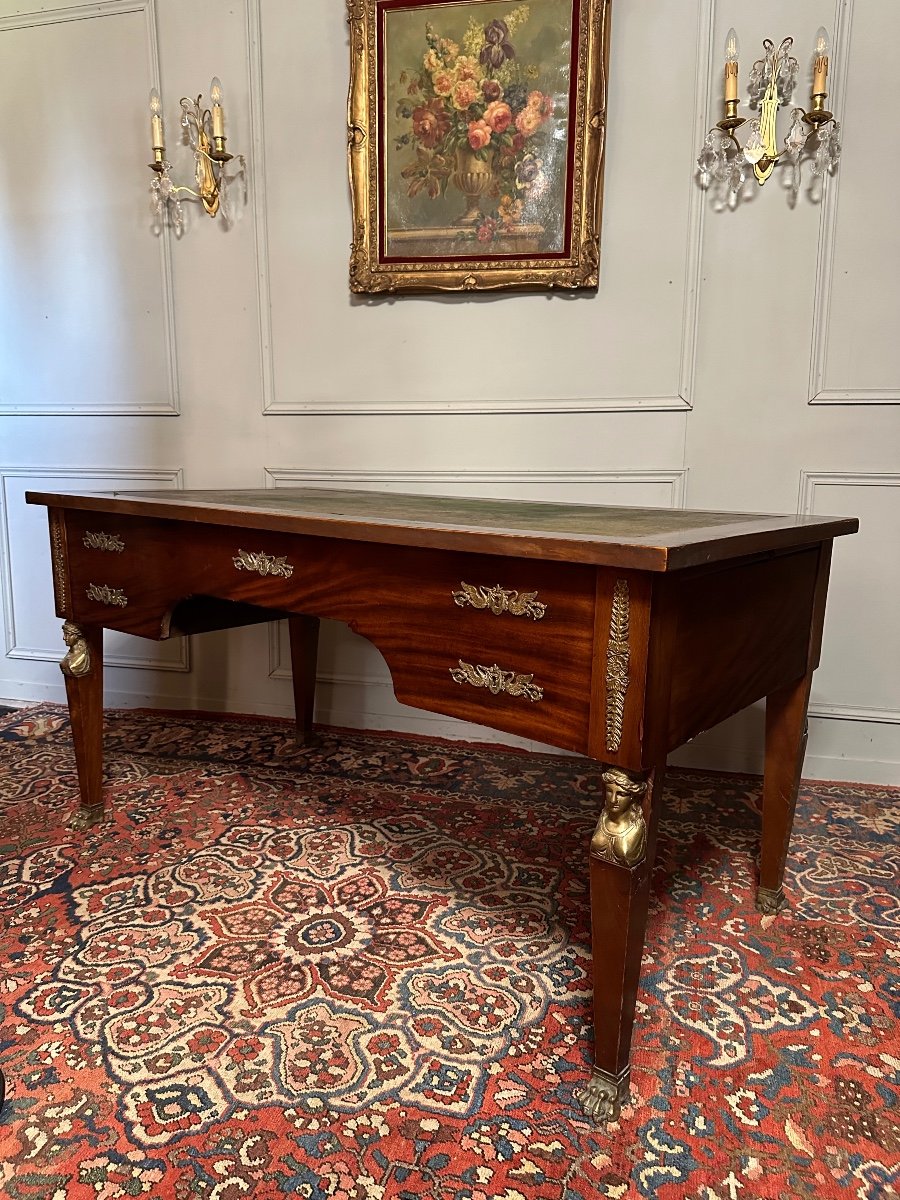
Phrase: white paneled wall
(744, 360)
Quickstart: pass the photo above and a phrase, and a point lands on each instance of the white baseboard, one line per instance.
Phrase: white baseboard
(839, 749)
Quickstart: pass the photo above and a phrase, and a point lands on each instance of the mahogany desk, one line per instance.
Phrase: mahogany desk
(619, 633)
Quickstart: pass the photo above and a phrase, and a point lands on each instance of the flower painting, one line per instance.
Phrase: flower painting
(477, 118)
(478, 149)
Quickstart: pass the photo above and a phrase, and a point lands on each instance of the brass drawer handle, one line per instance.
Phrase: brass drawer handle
(500, 600)
(265, 564)
(103, 541)
(107, 595)
(496, 680)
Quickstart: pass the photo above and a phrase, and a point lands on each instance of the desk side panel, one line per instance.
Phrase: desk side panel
(742, 632)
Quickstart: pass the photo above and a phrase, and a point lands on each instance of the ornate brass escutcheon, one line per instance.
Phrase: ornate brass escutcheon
(499, 600)
(78, 657)
(264, 564)
(496, 680)
(621, 833)
(107, 595)
(103, 541)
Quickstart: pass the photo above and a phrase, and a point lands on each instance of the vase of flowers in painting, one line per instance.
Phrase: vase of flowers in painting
(473, 177)
(478, 125)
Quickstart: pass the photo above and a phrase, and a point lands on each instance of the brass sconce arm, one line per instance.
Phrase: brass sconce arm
(724, 159)
(205, 131)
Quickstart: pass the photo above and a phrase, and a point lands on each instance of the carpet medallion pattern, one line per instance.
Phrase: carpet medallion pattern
(361, 969)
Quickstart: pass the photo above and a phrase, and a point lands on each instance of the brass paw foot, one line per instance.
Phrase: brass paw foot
(770, 900)
(603, 1097)
(85, 818)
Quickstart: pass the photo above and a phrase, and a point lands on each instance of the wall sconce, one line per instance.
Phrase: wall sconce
(205, 131)
(723, 161)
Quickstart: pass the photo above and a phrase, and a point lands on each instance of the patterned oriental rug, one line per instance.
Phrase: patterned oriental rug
(360, 971)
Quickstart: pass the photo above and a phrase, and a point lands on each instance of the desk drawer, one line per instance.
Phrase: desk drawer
(500, 641)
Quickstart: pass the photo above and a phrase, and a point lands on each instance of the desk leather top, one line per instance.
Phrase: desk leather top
(656, 539)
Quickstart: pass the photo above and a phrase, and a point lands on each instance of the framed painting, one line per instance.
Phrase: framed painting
(476, 137)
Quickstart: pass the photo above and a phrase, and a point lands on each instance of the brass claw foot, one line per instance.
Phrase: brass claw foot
(85, 818)
(770, 900)
(603, 1097)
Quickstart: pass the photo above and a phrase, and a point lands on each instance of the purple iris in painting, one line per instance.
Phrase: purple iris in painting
(497, 47)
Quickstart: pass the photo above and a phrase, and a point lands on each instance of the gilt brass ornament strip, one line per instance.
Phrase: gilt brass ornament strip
(264, 564)
(102, 541)
(618, 655)
(107, 595)
(496, 680)
(58, 556)
(499, 600)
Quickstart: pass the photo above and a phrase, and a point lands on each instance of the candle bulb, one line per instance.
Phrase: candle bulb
(156, 126)
(820, 62)
(218, 114)
(732, 50)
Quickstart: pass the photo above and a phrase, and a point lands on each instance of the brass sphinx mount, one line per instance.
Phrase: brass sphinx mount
(621, 833)
(77, 661)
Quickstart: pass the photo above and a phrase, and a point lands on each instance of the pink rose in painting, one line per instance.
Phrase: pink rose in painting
(479, 134)
(464, 94)
(528, 121)
(498, 115)
(487, 229)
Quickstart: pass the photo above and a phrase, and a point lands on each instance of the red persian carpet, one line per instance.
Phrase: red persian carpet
(360, 970)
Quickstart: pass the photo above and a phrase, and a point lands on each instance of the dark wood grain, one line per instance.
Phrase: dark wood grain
(786, 733)
(400, 598)
(743, 631)
(304, 635)
(619, 902)
(85, 696)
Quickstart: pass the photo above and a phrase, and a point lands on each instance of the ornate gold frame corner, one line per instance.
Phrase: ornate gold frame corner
(371, 276)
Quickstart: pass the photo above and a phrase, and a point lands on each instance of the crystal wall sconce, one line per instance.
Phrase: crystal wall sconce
(724, 162)
(204, 129)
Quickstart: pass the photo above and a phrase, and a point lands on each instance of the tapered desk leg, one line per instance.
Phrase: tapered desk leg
(304, 633)
(83, 669)
(786, 731)
(621, 863)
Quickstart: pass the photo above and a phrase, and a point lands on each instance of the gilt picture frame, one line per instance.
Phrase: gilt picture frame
(476, 133)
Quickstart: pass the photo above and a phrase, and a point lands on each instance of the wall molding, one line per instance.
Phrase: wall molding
(260, 209)
(170, 407)
(159, 475)
(279, 667)
(680, 401)
(819, 393)
(809, 481)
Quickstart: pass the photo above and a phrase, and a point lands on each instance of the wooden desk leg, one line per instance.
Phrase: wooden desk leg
(304, 633)
(83, 669)
(786, 732)
(621, 863)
